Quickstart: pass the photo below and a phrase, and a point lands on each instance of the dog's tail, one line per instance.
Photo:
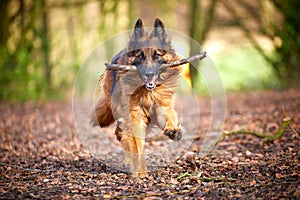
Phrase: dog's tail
(103, 115)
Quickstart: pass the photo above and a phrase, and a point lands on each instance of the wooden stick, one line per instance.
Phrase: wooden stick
(199, 56)
(117, 67)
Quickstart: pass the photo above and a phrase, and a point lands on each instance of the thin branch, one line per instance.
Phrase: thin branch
(266, 137)
(198, 56)
(291, 124)
(252, 10)
(117, 67)
(247, 31)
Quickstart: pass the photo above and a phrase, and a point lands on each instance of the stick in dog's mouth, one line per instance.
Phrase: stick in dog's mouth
(117, 67)
(150, 81)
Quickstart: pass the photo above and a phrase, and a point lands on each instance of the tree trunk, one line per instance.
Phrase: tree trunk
(4, 22)
(45, 42)
(201, 19)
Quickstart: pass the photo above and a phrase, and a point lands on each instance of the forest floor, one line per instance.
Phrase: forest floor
(41, 156)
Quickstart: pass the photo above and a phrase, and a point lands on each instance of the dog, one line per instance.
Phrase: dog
(136, 99)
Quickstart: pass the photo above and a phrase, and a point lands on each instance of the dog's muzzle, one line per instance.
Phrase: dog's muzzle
(150, 79)
(149, 74)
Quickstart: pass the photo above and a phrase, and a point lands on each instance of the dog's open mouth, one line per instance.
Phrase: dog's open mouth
(150, 84)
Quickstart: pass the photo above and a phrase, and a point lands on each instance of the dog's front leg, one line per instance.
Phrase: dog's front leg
(139, 121)
(132, 133)
(168, 121)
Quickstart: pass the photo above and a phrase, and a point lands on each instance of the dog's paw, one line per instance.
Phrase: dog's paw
(140, 174)
(175, 135)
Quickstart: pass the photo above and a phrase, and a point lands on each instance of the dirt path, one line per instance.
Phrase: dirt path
(41, 156)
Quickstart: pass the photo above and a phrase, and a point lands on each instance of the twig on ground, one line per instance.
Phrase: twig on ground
(183, 175)
(291, 125)
(266, 137)
(205, 178)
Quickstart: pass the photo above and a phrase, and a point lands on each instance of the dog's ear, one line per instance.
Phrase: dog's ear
(159, 30)
(138, 30)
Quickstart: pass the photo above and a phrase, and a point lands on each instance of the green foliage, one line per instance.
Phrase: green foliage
(22, 79)
(246, 69)
(242, 69)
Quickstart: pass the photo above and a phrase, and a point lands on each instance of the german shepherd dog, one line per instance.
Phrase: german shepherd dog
(136, 99)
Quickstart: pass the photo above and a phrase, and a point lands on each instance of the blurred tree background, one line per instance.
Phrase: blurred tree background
(254, 43)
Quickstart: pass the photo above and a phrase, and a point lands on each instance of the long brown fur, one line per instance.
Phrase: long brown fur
(126, 100)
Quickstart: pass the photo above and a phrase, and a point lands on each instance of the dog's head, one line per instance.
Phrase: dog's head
(149, 51)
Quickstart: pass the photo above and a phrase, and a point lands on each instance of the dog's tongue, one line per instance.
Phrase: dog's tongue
(150, 84)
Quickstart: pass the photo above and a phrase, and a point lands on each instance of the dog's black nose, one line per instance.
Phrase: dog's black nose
(150, 85)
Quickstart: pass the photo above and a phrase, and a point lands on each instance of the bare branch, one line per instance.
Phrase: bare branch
(199, 56)
(117, 67)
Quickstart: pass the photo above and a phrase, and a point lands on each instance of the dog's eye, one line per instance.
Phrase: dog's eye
(140, 54)
(158, 56)
(137, 61)
(139, 57)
